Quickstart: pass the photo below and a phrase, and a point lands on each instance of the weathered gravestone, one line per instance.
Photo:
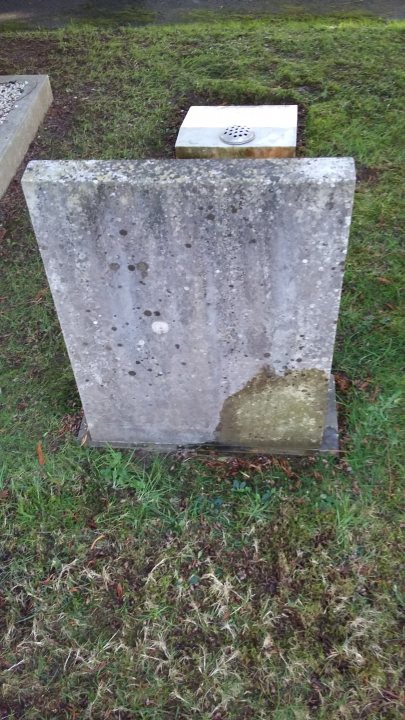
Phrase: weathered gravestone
(198, 298)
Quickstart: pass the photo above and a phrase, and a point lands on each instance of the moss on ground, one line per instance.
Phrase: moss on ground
(220, 589)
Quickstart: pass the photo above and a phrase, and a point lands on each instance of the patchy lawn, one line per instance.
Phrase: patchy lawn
(217, 589)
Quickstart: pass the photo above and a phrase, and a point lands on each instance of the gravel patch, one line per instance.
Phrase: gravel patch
(10, 93)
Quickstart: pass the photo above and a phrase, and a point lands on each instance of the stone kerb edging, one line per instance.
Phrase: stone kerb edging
(19, 125)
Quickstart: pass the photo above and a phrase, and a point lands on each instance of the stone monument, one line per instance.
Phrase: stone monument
(198, 298)
(238, 131)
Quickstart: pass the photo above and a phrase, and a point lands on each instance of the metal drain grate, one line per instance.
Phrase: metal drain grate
(237, 135)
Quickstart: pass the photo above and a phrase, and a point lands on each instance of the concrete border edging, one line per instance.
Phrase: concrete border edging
(21, 124)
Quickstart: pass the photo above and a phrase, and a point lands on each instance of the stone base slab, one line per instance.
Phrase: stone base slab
(329, 445)
(21, 124)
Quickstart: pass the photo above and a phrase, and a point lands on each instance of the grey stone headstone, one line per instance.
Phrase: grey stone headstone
(198, 298)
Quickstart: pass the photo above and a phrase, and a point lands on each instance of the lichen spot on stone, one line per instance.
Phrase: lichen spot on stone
(143, 268)
(160, 328)
(276, 412)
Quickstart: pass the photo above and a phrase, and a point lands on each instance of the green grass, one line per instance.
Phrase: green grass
(211, 589)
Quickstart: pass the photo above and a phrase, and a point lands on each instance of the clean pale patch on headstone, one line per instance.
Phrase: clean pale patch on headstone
(24, 101)
(198, 299)
(243, 131)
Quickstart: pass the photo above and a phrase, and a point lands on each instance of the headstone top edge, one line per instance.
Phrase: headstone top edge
(233, 170)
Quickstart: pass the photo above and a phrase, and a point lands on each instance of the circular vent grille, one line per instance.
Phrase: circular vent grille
(237, 135)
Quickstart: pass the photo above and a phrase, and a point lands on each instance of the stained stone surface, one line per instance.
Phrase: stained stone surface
(198, 298)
